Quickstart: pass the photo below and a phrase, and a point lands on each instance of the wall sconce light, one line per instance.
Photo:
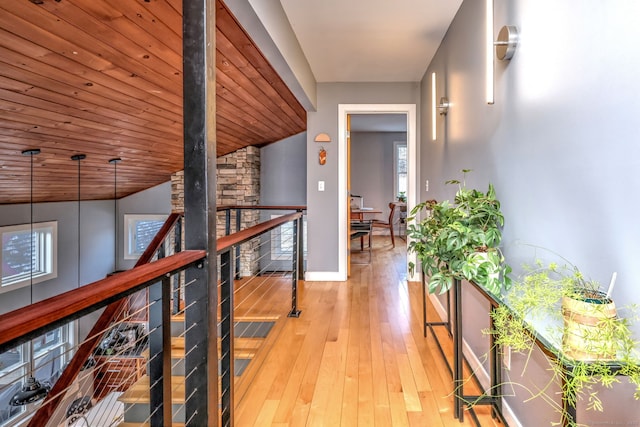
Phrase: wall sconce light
(433, 106)
(443, 106)
(507, 42)
(322, 137)
(489, 52)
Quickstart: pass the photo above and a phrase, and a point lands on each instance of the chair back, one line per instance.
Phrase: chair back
(392, 207)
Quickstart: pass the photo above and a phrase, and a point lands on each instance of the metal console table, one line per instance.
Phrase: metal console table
(493, 399)
(454, 327)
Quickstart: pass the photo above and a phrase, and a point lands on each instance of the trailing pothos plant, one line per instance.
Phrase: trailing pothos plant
(460, 240)
(536, 299)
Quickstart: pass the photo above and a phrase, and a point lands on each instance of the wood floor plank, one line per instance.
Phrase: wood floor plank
(356, 356)
(349, 413)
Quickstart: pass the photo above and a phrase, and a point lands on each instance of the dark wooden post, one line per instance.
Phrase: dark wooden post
(199, 47)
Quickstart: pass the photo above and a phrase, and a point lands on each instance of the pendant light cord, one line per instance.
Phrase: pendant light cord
(31, 232)
(31, 152)
(115, 216)
(78, 158)
(115, 162)
(79, 161)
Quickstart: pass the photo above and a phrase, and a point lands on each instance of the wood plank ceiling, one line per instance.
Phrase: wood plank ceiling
(104, 78)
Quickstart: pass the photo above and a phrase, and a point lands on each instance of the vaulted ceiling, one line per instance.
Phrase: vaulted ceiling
(104, 78)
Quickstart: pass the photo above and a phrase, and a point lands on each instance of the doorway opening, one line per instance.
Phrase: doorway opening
(408, 112)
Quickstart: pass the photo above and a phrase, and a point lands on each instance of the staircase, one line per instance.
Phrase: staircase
(136, 399)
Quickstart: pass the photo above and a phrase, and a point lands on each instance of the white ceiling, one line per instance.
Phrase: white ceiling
(369, 40)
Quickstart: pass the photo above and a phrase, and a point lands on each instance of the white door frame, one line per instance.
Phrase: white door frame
(412, 165)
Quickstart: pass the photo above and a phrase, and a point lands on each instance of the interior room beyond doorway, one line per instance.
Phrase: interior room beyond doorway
(379, 163)
(402, 112)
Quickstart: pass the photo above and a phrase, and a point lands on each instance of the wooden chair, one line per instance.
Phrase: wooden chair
(387, 224)
(362, 229)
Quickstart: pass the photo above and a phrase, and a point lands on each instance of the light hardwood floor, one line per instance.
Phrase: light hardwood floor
(355, 357)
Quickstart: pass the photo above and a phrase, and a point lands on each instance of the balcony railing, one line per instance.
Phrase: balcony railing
(134, 364)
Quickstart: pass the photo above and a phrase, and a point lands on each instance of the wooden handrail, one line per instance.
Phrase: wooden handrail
(84, 351)
(73, 304)
(226, 242)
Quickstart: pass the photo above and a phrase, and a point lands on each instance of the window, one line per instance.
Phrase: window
(139, 231)
(17, 257)
(282, 240)
(51, 352)
(400, 167)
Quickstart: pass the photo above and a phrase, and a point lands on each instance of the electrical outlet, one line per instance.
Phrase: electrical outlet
(426, 185)
(506, 357)
(320, 185)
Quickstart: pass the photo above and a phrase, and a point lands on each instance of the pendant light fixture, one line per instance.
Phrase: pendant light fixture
(115, 162)
(32, 390)
(78, 158)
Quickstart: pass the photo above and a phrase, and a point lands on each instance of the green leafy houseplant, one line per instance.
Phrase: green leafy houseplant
(547, 294)
(460, 240)
(402, 197)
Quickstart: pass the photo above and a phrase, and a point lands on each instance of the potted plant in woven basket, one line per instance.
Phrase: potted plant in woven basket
(582, 321)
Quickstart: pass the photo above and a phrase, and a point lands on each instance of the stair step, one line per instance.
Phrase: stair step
(137, 400)
(129, 424)
(177, 324)
(246, 348)
(139, 391)
(177, 348)
(177, 355)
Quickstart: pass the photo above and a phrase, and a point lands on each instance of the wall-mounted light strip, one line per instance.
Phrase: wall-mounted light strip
(433, 106)
(489, 51)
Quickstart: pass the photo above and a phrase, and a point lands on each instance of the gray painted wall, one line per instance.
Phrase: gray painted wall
(153, 201)
(283, 181)
(283, 172)
(96, 244)
(323, 206)
(372, 168)
(559, 144)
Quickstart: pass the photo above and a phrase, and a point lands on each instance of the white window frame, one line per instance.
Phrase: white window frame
(19, 370)
(45, 250)
(277, 252)
(396, 145)
(130, 221)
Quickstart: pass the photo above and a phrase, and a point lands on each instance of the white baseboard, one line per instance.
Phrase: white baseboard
(476, 366)
(323, 276)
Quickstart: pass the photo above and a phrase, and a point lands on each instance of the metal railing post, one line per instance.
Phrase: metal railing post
(295, 259)
(160, 353)
(226, 338)
(458, 380)
(301, 246)
(497, 352)
(227, 222)
(177, 247)
(238, 226)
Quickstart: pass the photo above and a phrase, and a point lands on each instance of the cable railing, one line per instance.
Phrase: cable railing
(250, 309)
(137, 368)
(233, 218)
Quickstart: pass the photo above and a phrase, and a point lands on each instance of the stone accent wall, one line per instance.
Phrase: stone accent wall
(238, 183)
(177, 192)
